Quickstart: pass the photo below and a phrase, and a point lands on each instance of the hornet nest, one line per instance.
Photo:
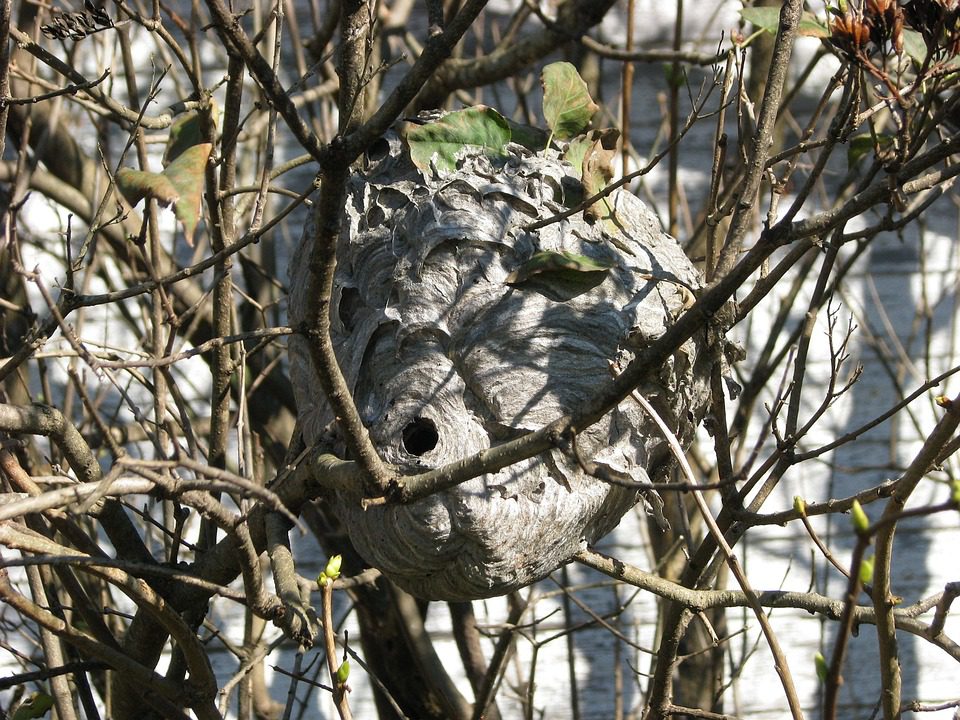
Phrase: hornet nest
(457, 329)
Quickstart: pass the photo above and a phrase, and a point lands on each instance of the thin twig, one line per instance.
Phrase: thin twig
(329, 640)
(780, 660)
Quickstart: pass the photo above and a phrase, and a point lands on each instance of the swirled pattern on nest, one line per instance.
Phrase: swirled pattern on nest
(453, 341)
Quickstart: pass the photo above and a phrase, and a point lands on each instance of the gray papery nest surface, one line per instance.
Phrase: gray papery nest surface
(448, 354)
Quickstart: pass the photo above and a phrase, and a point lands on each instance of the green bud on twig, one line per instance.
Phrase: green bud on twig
(800, 505)
(861, 523)
(331, 572)
(866, 571)
(821, 664)
(343, 672)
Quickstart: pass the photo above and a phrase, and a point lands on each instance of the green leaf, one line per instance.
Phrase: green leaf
(914, 45)
(186, 173)
(557, 261)
(674, 75)
(597, 168)
(34, 706)
(476, 129)
(135, 185)
(180, 184)
(532, 138)
(763, 18)
(567, 105)
(811, 26)
(861, 145)
(575, 151)
(768, 18)
(184, 133)
(916, 48)
(187, 131)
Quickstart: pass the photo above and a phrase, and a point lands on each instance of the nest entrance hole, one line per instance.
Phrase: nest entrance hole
(420, 436)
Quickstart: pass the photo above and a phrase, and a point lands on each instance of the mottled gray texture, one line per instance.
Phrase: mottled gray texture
(425, 326)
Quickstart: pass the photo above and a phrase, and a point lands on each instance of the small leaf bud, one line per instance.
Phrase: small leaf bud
(343, 672)
(821, 664)
(861, 523)
(332, 570)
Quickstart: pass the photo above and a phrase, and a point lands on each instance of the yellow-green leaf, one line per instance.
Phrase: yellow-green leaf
(567, 105)
(478, 128)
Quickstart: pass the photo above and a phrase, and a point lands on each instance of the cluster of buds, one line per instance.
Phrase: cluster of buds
(885, 20)
(878, 25)
(879, 22)
(849, 33)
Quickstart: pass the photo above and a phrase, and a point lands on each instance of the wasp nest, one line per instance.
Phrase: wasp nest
(458, 329)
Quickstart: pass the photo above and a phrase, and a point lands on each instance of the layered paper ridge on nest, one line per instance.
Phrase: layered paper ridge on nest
(441, 343)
